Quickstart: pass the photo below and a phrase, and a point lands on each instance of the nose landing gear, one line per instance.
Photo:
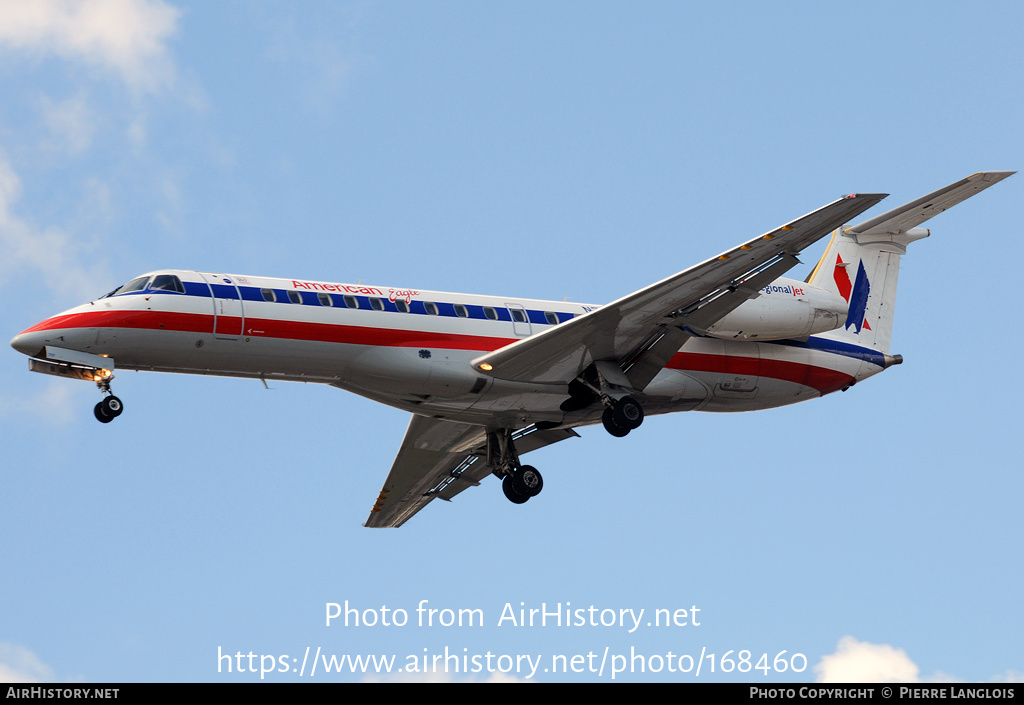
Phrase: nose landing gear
(108, 409)
(111, 407)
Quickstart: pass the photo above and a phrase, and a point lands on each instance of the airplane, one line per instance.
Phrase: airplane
(487, 379)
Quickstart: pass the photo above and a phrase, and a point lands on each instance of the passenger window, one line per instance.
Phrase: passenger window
(518, 315)
(325, 299)
(167, 282)
(430, 307)
(551, 318)
(376, 303)
(490, 313)
(351, 301)
(295, 297)
(269, 295)
(402, 306)
(461, 311)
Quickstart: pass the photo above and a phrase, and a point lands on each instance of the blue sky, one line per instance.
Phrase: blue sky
(547, 150)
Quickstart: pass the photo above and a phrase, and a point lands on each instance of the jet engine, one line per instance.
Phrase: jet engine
(783, 310)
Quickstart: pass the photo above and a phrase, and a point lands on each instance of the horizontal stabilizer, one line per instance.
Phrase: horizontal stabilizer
(902, 219)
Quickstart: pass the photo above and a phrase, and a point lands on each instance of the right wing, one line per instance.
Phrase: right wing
(440, 459)
(639, 333)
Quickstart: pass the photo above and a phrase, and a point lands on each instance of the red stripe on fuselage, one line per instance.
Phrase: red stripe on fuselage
(364, 335)
(149, 320)
(820, 378)
(273, 328)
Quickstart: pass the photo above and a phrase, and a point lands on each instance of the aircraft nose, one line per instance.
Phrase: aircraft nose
(28, 343)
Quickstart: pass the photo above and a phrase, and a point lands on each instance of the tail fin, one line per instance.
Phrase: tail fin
(865, 276)
(862, 262)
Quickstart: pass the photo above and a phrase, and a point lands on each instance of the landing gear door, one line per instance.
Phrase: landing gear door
(520, 320)
(228, 315)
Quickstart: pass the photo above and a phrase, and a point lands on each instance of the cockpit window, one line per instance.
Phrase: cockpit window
(167, 282)
(137, 284)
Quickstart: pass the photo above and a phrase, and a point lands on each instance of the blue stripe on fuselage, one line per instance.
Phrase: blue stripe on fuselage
(836, 347)
(309, 298)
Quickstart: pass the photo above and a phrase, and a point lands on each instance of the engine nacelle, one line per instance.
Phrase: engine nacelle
(785, 309)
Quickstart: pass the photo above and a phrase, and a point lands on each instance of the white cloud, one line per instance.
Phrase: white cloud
(861, 662)
(19, 665)
(62, 261)
(126, 39)
(126, 36)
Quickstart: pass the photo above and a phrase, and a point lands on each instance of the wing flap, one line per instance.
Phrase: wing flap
(614, 331)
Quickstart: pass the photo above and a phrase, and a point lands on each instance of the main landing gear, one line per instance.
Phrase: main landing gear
(604, 383)
(522, 483)
(111, 407)
(518, 482)
(622, 416)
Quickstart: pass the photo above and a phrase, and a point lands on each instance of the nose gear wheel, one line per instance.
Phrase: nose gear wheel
(111, 407)
(108, 409)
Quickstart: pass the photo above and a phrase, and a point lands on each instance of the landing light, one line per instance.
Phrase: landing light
(486, 366)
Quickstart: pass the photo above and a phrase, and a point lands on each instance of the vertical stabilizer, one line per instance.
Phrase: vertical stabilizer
(862, 262)
(866, 277)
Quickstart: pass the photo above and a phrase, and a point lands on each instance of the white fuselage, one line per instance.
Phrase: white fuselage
(412, 349)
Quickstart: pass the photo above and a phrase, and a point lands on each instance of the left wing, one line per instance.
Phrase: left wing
(440, 459)
(640, 332)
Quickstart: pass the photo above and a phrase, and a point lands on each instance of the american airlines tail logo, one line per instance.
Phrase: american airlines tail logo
(856, 294)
